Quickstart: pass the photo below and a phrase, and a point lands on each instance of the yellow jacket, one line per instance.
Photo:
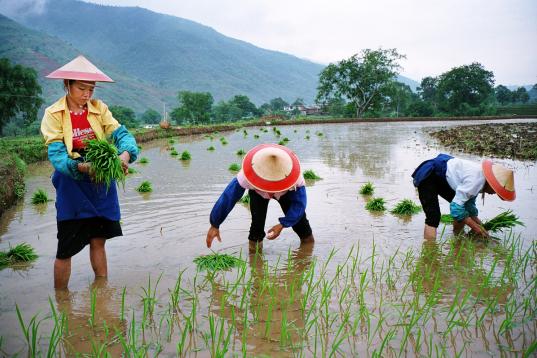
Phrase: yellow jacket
(56, 123)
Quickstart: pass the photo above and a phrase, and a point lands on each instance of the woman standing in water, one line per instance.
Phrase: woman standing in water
(87, 213)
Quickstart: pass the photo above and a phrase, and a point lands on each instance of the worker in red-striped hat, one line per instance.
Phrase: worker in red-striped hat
(87, 213)
(269, 171)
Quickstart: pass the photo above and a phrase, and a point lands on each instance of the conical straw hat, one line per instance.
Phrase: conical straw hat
(80, 69)
(501, 179)
(271, 167)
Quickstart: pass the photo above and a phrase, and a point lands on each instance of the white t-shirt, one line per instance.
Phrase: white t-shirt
(466, 178)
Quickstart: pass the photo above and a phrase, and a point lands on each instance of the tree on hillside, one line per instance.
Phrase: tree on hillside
(521, 95)
(465, 90)
(19, 93)
(194, 107)
(151, 116)
(503, 95)
(427, 89)
(247, 108)
(277, 104)
(364, 79)
(124, 115)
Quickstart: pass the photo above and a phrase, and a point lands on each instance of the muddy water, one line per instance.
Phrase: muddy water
(165, 230)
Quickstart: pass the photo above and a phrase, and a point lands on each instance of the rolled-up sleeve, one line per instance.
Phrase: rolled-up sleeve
(125, 142)
(297, 208)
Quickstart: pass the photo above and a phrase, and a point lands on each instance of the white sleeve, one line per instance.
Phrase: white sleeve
(472, 183)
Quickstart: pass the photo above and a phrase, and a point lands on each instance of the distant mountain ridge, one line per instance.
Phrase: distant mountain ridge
(153, 56)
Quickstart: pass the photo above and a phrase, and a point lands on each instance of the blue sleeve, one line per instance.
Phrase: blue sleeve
(226, 202)
(296, 209)
(57, 154)
(471, 208)
(125, 142)
(458, 212)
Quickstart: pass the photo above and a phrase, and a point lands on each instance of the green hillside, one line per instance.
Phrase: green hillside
(46, 53)
(174, 53)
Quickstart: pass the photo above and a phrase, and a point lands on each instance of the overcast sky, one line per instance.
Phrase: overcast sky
(435, 35)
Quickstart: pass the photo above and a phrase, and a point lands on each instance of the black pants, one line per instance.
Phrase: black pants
(429, 190)
(258, 209)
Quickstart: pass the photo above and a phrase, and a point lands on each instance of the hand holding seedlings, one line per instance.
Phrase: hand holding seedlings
(211, 234)
(125, 157)
(274, 232)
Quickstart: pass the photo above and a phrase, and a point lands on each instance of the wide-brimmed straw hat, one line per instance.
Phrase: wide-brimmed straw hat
(501, 179)
(271, 168)
(80, 69)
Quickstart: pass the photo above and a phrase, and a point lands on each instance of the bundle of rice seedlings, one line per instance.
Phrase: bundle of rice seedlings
(211, 148)
(132, 170)
(446, 219)
(375, 204)
(307, 137)
(285, 139)
(245, 199)
(234, 167)
(319, 134)
(282, 142)
(171, 141)
(406, 207)
(186, 155)
(20, 253)
(174, 152)
(256, 136)
(40, 197)
(310, 174)
(105, 163)
(245, 132)
(241, 152)
(217, 262)
(144, 160)
(367, 189)
(145, 187)
(502, 221)
(224, 142)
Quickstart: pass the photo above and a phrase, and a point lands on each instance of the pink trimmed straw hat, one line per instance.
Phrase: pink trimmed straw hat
(80, 69)
(501, 179)
(271, 168)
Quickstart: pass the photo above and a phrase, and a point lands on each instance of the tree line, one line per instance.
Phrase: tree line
(364, 85)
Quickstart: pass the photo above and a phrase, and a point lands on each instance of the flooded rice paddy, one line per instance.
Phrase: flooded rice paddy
(369, 286)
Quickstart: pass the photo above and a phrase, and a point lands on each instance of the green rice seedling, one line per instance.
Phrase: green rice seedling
(149, 297)
(60, 322)
(367, 189)
(4, 259)
(224, 142)
(122, 311)
(319, 134)
(22, 252)
(310, 175)
(171, 141)
(245, 132)
(234, 167)
(245, 199)
(211, 148)
(406, 207)
(502, 221)
(143, 160)
(240, 152)
(256, 136)
(282, 142)
(132, 170)
(217, 262)
(40, 197)
(446, 219)
(307, 137)
(285, 139)
(93, 304)
(375, 204)
(145, 187)
(105, 163)
(174, 152)
(185, 155)
(30, 332)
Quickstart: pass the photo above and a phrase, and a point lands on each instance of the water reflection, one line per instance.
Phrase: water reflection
(274, 316)
(93, 321)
